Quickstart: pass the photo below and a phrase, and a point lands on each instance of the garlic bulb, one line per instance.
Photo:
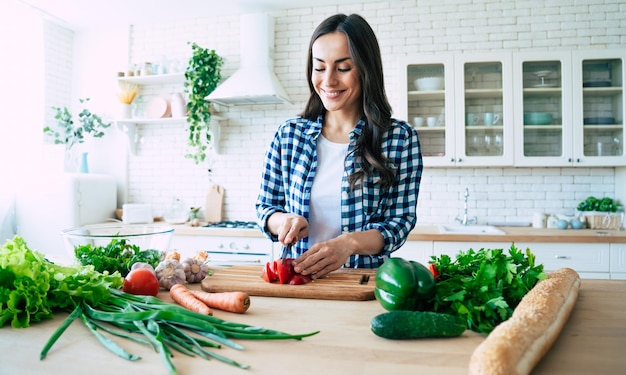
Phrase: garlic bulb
(170, 272)
(195, 270)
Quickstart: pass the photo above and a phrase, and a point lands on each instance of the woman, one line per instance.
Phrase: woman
(341, 180)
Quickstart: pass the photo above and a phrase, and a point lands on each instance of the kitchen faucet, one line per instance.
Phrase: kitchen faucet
(465, 220)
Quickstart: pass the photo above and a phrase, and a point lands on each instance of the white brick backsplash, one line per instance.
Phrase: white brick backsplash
(159, 172)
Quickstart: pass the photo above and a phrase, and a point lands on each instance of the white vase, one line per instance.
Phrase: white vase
(125, 111)
(70, 162)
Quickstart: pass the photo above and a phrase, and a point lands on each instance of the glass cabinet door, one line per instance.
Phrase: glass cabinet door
(544, 124)
(429, 86)
(600, 107)
(483, 105)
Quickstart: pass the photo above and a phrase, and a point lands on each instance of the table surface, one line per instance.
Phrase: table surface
(592, 342)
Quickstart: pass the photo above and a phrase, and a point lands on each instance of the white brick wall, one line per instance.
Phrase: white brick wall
(159, 171)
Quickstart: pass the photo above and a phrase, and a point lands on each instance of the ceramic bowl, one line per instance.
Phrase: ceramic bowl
(537, 118)
(429, 83)
(145, 236)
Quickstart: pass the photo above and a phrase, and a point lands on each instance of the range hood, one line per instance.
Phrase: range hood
(255, 82)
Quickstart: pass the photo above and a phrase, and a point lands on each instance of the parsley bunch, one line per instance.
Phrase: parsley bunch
(483, 287)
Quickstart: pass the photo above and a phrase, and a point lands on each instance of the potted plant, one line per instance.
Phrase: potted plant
(69, 132)
(202, 75)
(601, 213)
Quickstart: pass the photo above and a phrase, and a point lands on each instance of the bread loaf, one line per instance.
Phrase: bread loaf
(515, 346)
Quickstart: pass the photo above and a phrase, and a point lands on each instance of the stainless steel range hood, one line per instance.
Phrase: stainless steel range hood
(255, 82)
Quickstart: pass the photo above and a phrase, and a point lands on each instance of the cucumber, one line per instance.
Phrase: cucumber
(404, 324)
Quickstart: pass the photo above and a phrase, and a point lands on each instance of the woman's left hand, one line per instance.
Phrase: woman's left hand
(323, 258)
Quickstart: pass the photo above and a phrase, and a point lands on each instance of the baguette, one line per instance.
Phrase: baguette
(515, 346)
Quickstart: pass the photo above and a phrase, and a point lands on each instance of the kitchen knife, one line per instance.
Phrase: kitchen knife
(286, 250)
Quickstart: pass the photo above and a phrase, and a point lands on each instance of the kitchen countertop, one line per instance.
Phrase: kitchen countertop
(523, 234)
(592, 342)
(431, 233)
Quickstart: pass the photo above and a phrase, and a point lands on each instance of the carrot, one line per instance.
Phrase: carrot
(237, 302)
(183, 296)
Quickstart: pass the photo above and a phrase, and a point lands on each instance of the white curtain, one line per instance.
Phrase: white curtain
(21, 103)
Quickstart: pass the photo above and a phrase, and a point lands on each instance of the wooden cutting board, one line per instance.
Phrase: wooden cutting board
(343, 284)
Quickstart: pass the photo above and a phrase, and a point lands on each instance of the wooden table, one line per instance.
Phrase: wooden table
(592, 342)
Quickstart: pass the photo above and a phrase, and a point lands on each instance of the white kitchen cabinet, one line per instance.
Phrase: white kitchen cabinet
(419, 251)
(563, 108)
(618, 261)
(599, 103)
(435, 103)
(452, 248)
(473, 111)
(483, 105)
(569, 108)
(589, 260)
(226, 250)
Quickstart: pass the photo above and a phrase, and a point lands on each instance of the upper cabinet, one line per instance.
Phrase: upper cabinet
(461, 108)
(483, 102)
(517, 109)
(599, 104)
(571, 107)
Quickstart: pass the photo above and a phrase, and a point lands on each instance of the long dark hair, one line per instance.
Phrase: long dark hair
(365, 53)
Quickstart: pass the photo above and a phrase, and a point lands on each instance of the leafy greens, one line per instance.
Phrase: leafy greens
(31, 287)
(483, 287)
(118, 255)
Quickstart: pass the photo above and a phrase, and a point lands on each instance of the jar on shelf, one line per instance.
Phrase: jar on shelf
(146, 69)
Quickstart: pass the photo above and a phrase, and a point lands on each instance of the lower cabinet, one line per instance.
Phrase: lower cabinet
(590, 260)
(225, 250)
(419, 251)
(618, 261)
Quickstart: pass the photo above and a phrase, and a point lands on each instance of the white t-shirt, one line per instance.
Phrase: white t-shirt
(325, 210)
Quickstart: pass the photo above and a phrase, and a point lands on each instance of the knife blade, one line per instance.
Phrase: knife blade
(286, 250)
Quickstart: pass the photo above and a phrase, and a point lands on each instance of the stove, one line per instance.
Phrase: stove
(233, 224)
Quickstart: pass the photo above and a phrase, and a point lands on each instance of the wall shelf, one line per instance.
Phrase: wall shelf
(157, 79)
(129, 127)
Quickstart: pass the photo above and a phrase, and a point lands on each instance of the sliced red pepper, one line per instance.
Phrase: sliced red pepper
(433, 269)
(285, 270)
(269, 272)
(282, 272)
(299, 279)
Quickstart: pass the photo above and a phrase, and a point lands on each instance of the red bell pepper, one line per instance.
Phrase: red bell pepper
(433, 269)
(282, 271)
(269, 272)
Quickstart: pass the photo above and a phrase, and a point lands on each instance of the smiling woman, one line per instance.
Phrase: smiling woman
(21, 104)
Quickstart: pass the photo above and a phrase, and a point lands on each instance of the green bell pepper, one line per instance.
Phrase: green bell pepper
(404, 285)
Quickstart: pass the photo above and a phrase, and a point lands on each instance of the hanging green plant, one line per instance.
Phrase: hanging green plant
(202, 76)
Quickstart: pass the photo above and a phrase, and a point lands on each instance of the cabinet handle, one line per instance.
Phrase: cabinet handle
(561, 257)
(451, 160)
(460, 160)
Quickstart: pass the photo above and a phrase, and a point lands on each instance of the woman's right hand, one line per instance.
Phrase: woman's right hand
(289, 228)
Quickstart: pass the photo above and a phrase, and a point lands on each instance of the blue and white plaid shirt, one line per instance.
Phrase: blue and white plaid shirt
(290, 166)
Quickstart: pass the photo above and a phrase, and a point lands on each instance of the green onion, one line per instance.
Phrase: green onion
(165, 328)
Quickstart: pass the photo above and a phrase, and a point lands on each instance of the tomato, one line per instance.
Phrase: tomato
(141, 281)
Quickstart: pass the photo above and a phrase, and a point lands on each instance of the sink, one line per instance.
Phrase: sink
(470, 229)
